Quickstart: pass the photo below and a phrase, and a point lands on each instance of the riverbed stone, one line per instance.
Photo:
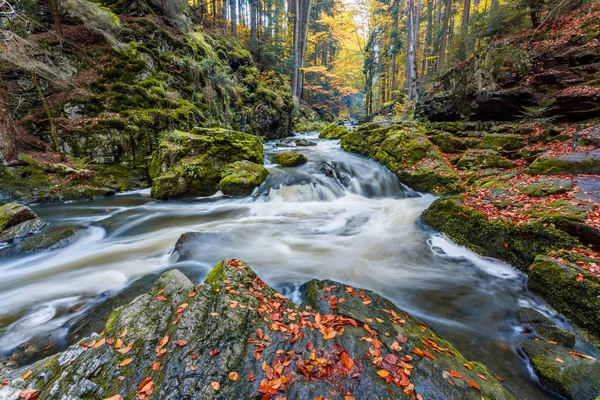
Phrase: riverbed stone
(545, 327)
(405, 150)
(583, 162)
(17, 220)
(483, 159)
(241, 178)
(234, 336)
(192, 163)
(290, 159)
(43, 242)
(333, 131)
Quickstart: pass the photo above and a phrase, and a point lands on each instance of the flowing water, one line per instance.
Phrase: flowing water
(340, 216)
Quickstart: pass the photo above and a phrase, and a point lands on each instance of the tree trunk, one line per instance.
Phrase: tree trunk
(55, 10)
(444, 39)
(233, 16)
(464, 28)
(253, 42)
(7, 128)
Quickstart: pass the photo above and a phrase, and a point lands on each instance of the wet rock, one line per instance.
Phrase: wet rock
(42, 242)
(241, 178)
(502, 142)
(447, 142)
(561, 371)
(304, 143)
(234, 336)
(546, 187)
(290, 159)
(333, 131)
(407, 152)
(569, 289)
(545, 327)
(585, 162)
(512, 243)
(190, 245)
(194, 163)
(482, 159)
(17, 220)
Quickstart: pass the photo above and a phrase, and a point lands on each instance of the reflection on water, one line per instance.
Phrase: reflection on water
(340, 216)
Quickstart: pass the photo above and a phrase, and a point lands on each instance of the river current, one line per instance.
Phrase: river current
(340, 216)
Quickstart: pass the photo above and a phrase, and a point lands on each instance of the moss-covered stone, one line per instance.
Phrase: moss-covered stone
(333, 131)
(545, 327)
(515, 244)
(447, 142)
(191, 163)
(42, 242)
(502, 142)
(241, 178)
(290, 159)
(572, 377)
(545, 187)
(483, 159)
(17, 220)
(180, 331)
(587, 162)
(578, 300)
(406, 151)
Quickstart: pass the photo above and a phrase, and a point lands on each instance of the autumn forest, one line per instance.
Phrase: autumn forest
(299, 199)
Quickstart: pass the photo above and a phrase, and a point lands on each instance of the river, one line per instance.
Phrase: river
(340, 216)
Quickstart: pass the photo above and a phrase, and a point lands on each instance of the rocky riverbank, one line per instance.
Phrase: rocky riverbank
(527, 196)
(233, 336)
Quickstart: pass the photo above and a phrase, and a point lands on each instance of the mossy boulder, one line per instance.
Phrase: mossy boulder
(42, 242)
(502, 142)
(512, 243)
(17, 220)
(192, 163)
(447, 142)
(586, 162)
(562, 372)
(545, 327)
(545, 187)
(406, 151)
(333, 131)
(290, 159)
(483, 159)
(558, 283)
(241, 178)
(233, 336)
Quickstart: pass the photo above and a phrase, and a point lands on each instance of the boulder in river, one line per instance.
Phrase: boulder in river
(42, 242)
(242, 177)
(290, 159)
(193, 163)
(333, 131)
(559, 367)
(17, 220)
(405, 150)
(234, 337)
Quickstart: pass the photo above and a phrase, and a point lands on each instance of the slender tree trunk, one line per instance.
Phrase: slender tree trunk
(233, 16)
(464, 29)
(7, 128)
(55, 10)
(444, 39)
(224, 15)
(53, 133)
(428, 39)
(253, 42)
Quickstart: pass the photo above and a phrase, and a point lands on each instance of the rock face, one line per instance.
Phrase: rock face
(585, 162)
(333, 131)
(199, 162)
(406, 151)
(17, 220)
(290, 159)
(555, 72)
(234, 337)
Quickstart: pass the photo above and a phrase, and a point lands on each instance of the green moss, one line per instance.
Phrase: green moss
(515, 244)
(556, 282)
(483, 159)
(290, 159)
(333, 131)
(574, 163)
(502, 142)
(447, 142)
(241, 178)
